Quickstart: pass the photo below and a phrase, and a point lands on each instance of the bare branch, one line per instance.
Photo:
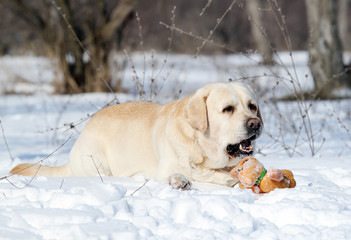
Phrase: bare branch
(39, 162)
(214, 29)
(7, 146)
(208, 4)
(139, 187)
(97, 169)
(124, 8)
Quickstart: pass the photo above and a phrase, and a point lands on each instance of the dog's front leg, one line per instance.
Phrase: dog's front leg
(213, 176)
(179, 181)
(224, 178)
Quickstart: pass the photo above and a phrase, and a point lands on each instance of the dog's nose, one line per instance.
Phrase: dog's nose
(254, 124)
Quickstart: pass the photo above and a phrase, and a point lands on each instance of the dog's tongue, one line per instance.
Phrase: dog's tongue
(245, 146)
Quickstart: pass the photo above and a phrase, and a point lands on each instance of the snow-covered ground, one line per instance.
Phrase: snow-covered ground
(42, 127)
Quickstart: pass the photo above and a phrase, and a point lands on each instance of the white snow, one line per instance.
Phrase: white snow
(35, 126)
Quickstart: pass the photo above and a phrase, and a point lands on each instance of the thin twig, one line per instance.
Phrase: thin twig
(208, 4)
(7, 146)
(97, 169)
(170, 42)
(31, 165)
(146, 180)
(62, 183)
(190, 34)
(69, 126)
(142, 47)
(214, 29)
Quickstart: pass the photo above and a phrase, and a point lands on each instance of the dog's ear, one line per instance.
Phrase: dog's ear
(195, 111)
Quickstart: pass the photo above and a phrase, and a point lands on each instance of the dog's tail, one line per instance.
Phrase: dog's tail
(26, 169)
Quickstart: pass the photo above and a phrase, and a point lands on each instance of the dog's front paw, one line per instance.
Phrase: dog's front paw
(179, 181)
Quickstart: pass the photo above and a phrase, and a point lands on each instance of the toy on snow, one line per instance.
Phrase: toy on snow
(252, 175)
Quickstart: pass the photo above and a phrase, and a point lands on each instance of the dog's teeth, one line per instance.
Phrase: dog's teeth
(246, 149)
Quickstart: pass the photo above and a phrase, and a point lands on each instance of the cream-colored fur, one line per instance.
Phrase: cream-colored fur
(187, 137)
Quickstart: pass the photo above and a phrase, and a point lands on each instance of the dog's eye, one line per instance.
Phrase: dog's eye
(252, 107)
(228, 109)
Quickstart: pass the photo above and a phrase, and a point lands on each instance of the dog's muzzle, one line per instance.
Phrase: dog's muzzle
(245, 147)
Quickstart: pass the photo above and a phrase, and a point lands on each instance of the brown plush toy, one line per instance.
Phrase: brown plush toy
(252, 175)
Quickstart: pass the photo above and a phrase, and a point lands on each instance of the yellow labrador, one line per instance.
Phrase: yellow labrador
(197, 138)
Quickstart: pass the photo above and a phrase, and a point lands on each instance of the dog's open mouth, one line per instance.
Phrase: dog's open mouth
(245, 147)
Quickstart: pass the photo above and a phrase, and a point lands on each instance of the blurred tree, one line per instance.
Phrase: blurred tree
(20, 37)
(343, 23)
(325, 50)
(80, 35)
(254, 8)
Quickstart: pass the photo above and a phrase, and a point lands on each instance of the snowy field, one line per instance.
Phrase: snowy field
(43, 127)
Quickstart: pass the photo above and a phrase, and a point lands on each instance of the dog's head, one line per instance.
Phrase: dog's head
(227, 121)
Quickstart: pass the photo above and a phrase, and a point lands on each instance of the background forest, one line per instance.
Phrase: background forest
(84, 35)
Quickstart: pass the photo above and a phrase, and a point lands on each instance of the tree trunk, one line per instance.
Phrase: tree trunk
(80, 34)
(253, 8)
(83, 72)
(325, 51)
(97, 71)
(86, 68)
(75, 60)
(343, 23)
